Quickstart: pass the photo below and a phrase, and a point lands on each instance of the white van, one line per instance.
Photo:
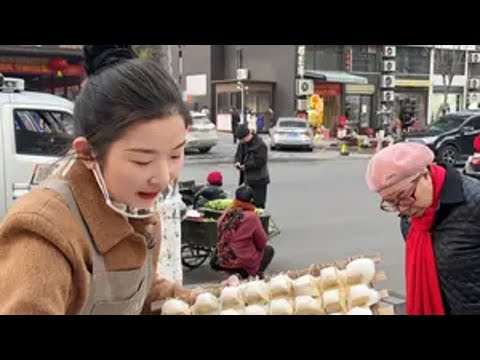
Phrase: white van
(35, 129)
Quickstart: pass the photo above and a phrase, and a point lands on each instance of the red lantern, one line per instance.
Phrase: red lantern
(58, 64)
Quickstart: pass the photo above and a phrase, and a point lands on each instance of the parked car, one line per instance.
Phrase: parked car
(291, 133)
(202, 134)
(451, 137)
(35, 130)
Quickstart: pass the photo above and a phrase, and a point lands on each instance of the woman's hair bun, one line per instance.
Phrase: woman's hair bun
(100, 57)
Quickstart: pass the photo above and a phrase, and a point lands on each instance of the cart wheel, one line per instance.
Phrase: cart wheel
(194, 256)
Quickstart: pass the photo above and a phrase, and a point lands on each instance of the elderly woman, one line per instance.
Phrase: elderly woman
(443, 241)
(242, 240)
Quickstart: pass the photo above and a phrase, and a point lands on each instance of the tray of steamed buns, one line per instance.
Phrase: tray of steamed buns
(341, 288)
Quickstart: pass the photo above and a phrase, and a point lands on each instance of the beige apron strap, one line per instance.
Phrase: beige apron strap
(63, 189)
(108, 289)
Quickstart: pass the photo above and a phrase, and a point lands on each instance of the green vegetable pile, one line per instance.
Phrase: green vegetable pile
(220, 205)
(224, 204)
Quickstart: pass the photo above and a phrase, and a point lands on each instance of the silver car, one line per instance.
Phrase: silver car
(291, 133)
(202, 134)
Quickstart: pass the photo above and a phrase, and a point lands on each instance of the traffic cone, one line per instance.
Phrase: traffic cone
(344, 150)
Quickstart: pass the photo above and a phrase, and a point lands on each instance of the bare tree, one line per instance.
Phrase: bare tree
(159, 53)
(449, 61)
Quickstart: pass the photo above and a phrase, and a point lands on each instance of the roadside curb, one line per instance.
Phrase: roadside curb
(332, 157)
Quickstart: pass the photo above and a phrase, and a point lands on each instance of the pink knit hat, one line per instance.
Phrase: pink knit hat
(395, 167)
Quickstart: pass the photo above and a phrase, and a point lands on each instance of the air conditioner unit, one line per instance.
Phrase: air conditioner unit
(389, 66)
(474, 83)
(389, 51)
(474, 58)
(388, 81)
(243, 74)
(305, 87)
(388, 96)
(473, 97)
(302, 105)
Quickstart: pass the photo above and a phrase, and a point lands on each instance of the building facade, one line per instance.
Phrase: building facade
(257, 77)
(55, 69)
(208, 75)
(349, 78)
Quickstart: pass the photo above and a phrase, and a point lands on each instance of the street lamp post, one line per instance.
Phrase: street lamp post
(241, 87)
(243, 101)
(180, 65)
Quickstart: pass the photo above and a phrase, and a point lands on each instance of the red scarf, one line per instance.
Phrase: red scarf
(423, 288)
(237, 204)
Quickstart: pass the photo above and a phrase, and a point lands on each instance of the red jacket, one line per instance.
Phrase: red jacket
(342, 121)
(476, 144)
(247, 239)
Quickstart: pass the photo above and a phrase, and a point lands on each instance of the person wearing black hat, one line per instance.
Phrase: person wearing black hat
(251, 160)
(242, 241)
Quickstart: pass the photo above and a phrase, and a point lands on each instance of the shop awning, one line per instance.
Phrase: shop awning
(74, 51)
(336, 76)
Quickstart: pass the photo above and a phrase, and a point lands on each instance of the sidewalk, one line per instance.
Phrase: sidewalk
(324, 151)
(281, 156)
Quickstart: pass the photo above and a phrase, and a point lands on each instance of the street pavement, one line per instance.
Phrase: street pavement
(323, 207)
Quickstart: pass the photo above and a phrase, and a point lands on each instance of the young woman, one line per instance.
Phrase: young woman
(87, 240)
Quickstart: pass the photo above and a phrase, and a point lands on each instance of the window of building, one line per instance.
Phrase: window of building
(324, 57)
(474, 70)
(366, 58)
(413, 60)
(449, 62)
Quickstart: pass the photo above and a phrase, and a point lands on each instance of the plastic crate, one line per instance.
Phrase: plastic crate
(211, 214)
(187, 185)
(200, 233)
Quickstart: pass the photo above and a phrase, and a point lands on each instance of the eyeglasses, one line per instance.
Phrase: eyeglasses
(405, 200)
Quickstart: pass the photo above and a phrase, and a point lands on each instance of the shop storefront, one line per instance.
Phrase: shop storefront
(358, 105)
(332, 87)
(455, 98)
(418, 92)
(331, 93)
(45, 68)
(455, 95)
(253, 96)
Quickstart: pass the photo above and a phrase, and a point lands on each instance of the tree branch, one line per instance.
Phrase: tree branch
(158, 53)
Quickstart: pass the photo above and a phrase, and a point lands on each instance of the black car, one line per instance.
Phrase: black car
(451, 137)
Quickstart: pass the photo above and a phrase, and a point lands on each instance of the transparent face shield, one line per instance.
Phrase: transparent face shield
(129, 211)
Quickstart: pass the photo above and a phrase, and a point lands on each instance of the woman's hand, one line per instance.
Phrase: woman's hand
(194, 294)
